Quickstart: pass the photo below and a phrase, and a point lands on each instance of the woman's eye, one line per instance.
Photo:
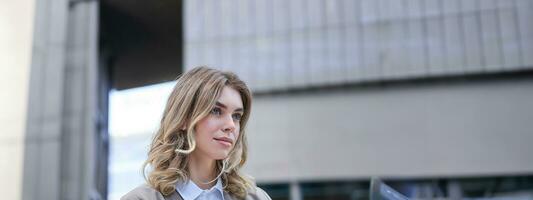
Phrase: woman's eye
(216, 111)
(237, 117)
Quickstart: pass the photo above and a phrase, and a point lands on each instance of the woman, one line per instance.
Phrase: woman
(200, 146)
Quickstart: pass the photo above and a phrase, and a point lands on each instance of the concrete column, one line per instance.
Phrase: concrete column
(44, 122)
(295, 191)
(454, 190)
(16, 25)
(60, 151)
(79, 134)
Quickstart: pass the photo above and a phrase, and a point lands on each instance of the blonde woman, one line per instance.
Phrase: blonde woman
(201, 145)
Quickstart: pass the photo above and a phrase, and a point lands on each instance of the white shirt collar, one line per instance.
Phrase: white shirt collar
(190, 191)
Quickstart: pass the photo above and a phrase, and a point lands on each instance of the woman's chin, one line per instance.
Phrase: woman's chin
(220, 156)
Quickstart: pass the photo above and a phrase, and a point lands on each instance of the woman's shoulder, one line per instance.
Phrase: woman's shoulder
(257, 194)
(144, 192)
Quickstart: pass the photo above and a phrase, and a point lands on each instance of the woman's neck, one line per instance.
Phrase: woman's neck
(202, 170)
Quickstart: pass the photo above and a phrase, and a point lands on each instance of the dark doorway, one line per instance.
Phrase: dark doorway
(141, 41)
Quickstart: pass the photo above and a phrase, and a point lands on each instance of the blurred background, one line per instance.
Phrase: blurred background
(435, 97)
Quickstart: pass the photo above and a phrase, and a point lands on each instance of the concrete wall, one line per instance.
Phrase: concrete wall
(276, 44)
(16, 30)
(422, 130)
(60, 149)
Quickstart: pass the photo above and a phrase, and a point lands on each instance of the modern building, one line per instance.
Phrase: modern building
(435, 96)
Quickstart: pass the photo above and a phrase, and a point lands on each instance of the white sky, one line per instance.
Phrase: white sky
(137, 111)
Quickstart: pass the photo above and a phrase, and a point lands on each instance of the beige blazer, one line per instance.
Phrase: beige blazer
(145, 192)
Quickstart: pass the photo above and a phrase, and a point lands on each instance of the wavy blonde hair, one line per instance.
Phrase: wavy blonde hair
(192, 99)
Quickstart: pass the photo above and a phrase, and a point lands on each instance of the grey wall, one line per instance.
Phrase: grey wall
(422, 130)
(278, 44)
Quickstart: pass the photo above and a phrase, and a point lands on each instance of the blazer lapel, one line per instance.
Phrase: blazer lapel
(174, 196)
(227, 196)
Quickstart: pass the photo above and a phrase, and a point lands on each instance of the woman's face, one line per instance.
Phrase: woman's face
(217, 133)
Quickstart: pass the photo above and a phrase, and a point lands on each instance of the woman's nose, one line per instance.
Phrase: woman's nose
(229, 124)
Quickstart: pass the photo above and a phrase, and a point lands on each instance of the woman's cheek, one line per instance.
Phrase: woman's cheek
(212, 124)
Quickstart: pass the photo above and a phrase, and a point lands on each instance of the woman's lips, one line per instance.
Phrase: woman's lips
(223, 141)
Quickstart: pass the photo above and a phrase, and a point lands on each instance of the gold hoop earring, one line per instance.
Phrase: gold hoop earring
(186, 151)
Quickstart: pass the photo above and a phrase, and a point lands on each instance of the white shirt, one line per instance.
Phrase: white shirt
(190, 191)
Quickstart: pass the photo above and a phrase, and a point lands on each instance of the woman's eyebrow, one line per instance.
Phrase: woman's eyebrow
(225, 107)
